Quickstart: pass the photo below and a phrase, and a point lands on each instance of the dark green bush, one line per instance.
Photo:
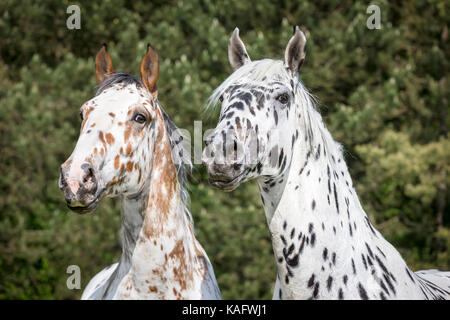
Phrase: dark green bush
(384, 93)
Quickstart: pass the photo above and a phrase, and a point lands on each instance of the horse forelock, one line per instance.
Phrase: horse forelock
(118, 78)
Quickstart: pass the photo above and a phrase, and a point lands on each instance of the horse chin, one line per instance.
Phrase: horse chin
(88, 208)
(226, 185)
(84, 209)
(81, 208)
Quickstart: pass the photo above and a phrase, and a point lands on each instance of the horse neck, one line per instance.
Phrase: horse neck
(316, 221)
(159, 258)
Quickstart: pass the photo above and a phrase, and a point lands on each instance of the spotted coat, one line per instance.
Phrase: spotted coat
(325, 245)
(126, 144)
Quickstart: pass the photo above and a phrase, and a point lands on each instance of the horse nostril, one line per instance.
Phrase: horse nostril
(237, 166)
(89, 180)
(89, 175)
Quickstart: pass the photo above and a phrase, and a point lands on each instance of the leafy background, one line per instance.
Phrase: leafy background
(384, 95)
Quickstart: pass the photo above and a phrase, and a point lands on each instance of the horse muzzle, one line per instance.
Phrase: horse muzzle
(225, 177)
(79, 185)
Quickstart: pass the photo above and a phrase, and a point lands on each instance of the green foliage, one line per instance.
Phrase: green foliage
(384, 93)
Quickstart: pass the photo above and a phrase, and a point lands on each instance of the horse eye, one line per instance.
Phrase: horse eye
(221, 98)
(283, 98)
(140, 118)
(81, 115)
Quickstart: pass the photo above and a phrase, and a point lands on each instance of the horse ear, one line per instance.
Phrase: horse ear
(103, 64)
(150, 69)
(237, 55)
(295, 50)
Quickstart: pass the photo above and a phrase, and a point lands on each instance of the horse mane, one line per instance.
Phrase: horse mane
(259, 72)
(181, 159)
(262, 73)
(180, 155)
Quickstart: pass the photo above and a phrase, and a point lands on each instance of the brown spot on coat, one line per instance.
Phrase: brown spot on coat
(128, 150)
(140, 176)
(102, 138)
(182, 271)
(110, 138)
(127, 132)
(117, 162)
(130, 165)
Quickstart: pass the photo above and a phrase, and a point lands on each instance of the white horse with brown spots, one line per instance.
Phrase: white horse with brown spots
(126, 148)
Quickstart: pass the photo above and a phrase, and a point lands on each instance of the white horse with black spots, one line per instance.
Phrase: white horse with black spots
(324, 244)
(129, 147)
